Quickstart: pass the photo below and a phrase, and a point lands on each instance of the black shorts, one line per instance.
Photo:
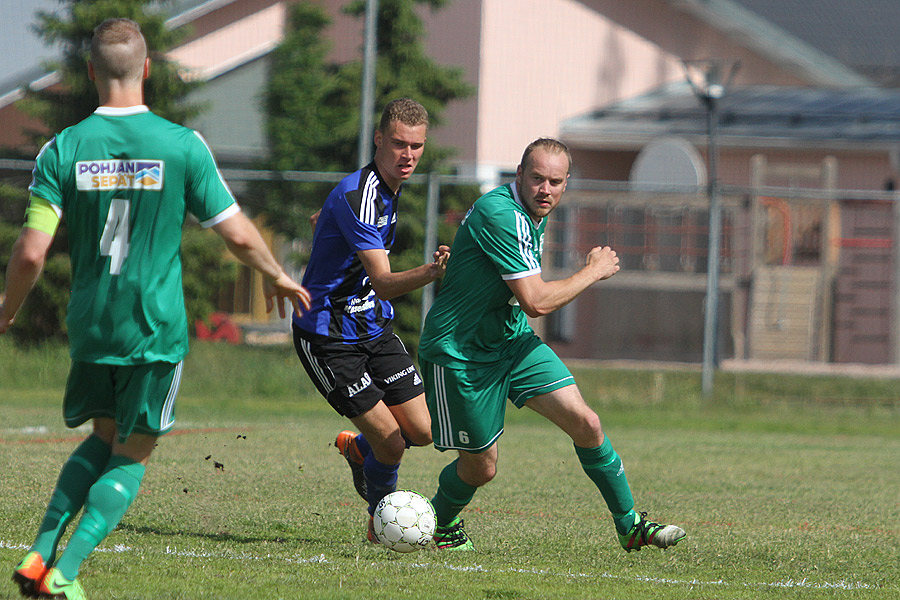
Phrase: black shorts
(355, 377)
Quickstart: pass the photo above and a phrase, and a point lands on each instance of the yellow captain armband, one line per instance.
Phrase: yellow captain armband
(42, 215)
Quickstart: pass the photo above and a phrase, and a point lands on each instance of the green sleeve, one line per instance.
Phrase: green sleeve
(507, 239)
(208, 196)
(46, 182)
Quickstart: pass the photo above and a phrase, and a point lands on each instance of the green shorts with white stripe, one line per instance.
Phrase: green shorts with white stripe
(140, 398)
(468, 406)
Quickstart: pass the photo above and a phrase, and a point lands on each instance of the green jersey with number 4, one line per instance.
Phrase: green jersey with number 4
(125, 179)
(475, 313)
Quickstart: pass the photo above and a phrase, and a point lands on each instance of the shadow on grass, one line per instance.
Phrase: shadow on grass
(216, 537)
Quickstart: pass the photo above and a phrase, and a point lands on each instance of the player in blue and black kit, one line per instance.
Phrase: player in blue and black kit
(346, 341)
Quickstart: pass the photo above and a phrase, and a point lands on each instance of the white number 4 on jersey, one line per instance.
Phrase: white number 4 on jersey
(114, 242)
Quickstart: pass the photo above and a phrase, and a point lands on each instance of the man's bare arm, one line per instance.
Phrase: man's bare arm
(244, 241)
(25, 265)
(538, 297)
(389, 285)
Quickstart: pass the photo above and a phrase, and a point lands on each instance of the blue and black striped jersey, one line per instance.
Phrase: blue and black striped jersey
(359, 214)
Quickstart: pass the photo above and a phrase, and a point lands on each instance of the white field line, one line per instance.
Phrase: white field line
(790, 583)
(44, 430)
(321, 559)
(39, 430)
(84, 428)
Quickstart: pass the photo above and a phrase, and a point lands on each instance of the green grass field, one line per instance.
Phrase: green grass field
(788, 487)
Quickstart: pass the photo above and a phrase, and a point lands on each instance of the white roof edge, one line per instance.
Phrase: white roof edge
(10, 97)
(40, 83)
(773, 42)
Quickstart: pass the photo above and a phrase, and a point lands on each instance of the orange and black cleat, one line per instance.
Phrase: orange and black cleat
(346, 445)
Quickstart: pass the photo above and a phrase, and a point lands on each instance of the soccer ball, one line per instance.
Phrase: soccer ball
(404, 521)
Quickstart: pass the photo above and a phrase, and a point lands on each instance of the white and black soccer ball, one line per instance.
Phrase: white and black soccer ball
(404, 521)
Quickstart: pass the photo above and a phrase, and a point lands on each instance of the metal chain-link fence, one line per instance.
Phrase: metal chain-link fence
(805, 274)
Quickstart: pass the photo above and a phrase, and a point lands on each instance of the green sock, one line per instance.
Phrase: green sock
(107, 501)
(452, 496)
(605, 469)
(76, 477)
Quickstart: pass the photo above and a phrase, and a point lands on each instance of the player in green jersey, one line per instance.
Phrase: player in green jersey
(125, 179)
(477, 350)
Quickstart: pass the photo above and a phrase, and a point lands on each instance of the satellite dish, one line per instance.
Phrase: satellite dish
(668, 162)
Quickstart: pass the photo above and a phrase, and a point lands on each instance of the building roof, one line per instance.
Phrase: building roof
(833, 43)
(860, 34)
(752, 30)
(754, 116)
(26, 52)
(22, 50)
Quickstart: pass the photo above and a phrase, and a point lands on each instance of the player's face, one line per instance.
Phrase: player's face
(397, 151)
(542, 181)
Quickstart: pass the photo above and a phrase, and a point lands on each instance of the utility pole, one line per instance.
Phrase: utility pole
(367, 102)
(710, 91)
(432, 209)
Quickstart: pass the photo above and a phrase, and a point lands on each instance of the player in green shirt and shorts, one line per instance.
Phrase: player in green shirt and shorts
(477, 350)
(125, 180)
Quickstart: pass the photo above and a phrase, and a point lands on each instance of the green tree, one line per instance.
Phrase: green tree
(313, 120)
(75, 98)
(302, 104)
(313, 106)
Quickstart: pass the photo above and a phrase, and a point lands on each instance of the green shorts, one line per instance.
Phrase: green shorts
(141, 398)
(468, 406)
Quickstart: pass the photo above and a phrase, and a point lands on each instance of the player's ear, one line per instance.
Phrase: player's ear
(146, 68)
(91, 74)
(376, 137)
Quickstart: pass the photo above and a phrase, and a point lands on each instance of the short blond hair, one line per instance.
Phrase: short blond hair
(406, 111)
(549, 145)
(118, 50)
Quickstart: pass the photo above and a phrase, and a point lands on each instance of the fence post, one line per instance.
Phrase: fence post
(895, 288)
(431, 234)
(711, 304)
(367, 102)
